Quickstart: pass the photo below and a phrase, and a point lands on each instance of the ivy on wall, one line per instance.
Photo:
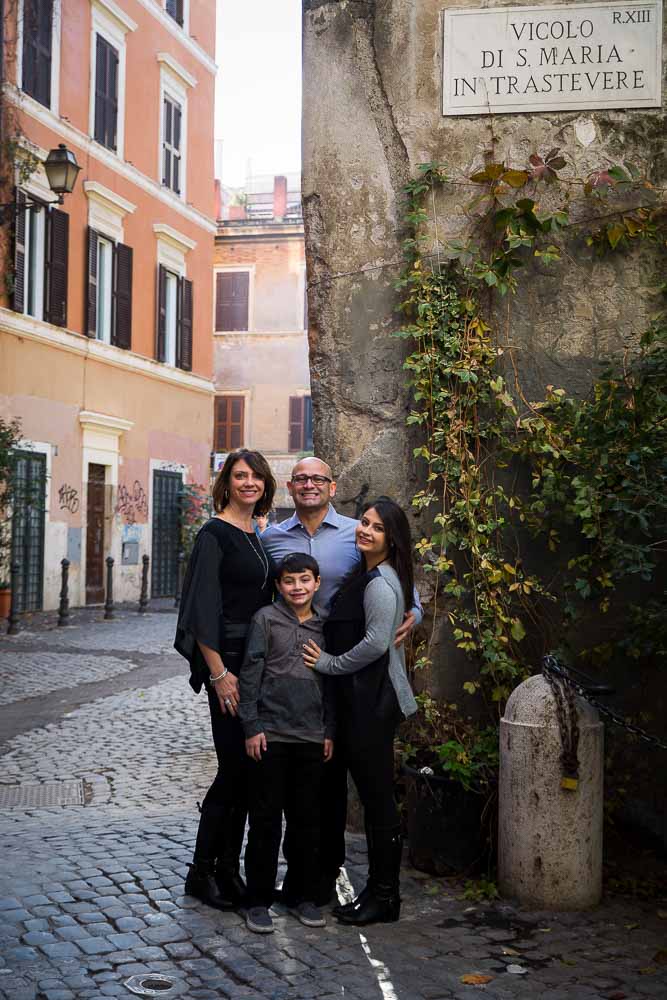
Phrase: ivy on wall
(593, 471)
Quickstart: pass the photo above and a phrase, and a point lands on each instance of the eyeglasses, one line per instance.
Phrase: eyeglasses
(315, 480)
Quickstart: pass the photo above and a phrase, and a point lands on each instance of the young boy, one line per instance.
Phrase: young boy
(287, 718)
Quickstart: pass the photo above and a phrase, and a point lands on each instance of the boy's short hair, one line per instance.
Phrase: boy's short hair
(297, 562)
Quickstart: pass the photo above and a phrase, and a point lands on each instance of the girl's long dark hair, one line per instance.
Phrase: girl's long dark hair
(399, 543)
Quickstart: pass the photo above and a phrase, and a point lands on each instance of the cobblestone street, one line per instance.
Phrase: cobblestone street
(92, 892)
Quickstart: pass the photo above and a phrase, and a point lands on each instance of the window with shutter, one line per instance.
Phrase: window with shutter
(171, 144)
(122, 296)
(228, 429)
(91, 287)
(300, 424)
(106, 92)
(18, 293)
(231, 301)
(37, 49)
(161, 313)
(175, 10)
(184, 332)
(57, 259)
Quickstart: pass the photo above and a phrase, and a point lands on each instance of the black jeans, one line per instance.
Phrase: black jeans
(225, 808)
(288, 779)
(372, 768)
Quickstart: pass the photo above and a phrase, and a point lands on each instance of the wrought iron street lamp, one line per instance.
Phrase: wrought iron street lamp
(61, 171)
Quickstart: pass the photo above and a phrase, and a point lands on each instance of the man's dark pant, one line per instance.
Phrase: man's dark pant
(288, 779)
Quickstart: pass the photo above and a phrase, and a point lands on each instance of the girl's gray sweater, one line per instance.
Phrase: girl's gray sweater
(384, 608)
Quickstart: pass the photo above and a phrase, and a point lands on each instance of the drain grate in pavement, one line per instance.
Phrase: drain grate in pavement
(39, 796)
(151, 985)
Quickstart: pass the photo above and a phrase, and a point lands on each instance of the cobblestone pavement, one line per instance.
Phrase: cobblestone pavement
(93, 894)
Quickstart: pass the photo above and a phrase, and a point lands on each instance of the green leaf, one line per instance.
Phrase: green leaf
(517, 630)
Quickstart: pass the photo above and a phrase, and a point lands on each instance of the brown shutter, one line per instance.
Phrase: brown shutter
(184, 325)
(18, 294)
(232, 300)
(121, 327)
(161, 313)
(91, 285)
(295, 424)
(228, 430)
(56, 266)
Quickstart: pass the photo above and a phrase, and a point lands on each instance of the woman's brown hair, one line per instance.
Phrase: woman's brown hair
(259, 466)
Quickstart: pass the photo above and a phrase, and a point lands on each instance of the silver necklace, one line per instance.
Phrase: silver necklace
(263, 560)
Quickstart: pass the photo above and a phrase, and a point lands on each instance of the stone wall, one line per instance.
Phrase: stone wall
(372, 114)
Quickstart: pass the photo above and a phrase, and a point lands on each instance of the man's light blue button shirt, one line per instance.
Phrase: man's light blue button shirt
(333, 546)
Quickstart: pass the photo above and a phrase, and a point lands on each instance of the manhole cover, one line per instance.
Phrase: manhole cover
(150, 985)
(49, 793)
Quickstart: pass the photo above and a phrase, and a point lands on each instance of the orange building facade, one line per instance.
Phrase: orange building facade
(260, 358)
(105, 342)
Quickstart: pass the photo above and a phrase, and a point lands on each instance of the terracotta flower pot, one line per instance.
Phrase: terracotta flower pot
(5, 601)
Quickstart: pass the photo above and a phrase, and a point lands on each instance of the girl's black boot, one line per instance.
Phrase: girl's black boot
(380, 902)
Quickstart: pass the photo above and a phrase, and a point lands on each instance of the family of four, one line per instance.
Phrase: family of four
(297, 634)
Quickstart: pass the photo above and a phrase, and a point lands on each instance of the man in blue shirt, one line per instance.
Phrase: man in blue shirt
(318, 529)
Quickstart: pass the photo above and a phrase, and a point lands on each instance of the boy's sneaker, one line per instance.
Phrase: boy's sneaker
(309, 914)
(258, 919)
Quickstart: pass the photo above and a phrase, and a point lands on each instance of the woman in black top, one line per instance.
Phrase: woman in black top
(227, 580)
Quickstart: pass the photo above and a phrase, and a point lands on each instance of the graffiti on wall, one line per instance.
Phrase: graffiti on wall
(68, 498)
(132, 502)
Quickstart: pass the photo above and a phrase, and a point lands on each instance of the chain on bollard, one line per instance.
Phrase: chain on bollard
(108, 604)
(143, 597)
(63, 607)
(561, 678)
(13, 620)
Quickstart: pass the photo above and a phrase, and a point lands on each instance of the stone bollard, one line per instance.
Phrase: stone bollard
(179, 577)
(549, 838)
(143, 597)
(63, 607)
(108, 604)
(13, 620)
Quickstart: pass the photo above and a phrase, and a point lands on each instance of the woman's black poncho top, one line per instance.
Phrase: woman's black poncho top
(224, 583)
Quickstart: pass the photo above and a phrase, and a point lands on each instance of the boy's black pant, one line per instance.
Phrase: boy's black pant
(288, 778)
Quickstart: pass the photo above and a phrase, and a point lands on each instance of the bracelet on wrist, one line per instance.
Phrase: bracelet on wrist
(219, 677)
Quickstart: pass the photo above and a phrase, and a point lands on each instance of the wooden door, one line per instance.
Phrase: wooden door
(95, 535)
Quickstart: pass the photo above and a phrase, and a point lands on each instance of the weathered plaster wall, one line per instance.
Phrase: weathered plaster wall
(372, 100)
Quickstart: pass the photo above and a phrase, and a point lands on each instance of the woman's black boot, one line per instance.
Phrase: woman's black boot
(201, 883)
(380, 903)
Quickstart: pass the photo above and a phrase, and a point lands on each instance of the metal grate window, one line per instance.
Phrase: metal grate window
(28, 529)
(166, 533)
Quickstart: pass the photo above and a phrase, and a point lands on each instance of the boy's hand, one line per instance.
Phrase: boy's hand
(255, 745)
(328, 749)
(311, 653)
(406, 627)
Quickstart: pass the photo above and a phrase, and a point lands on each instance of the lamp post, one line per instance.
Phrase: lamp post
(61, 171)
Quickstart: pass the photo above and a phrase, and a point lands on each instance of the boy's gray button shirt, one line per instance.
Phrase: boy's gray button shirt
(279, 693)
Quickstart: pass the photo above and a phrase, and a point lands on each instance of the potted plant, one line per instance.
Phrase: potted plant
(449, 767)
(10, 436)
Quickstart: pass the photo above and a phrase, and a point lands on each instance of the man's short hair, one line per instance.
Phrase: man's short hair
(297, 562)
